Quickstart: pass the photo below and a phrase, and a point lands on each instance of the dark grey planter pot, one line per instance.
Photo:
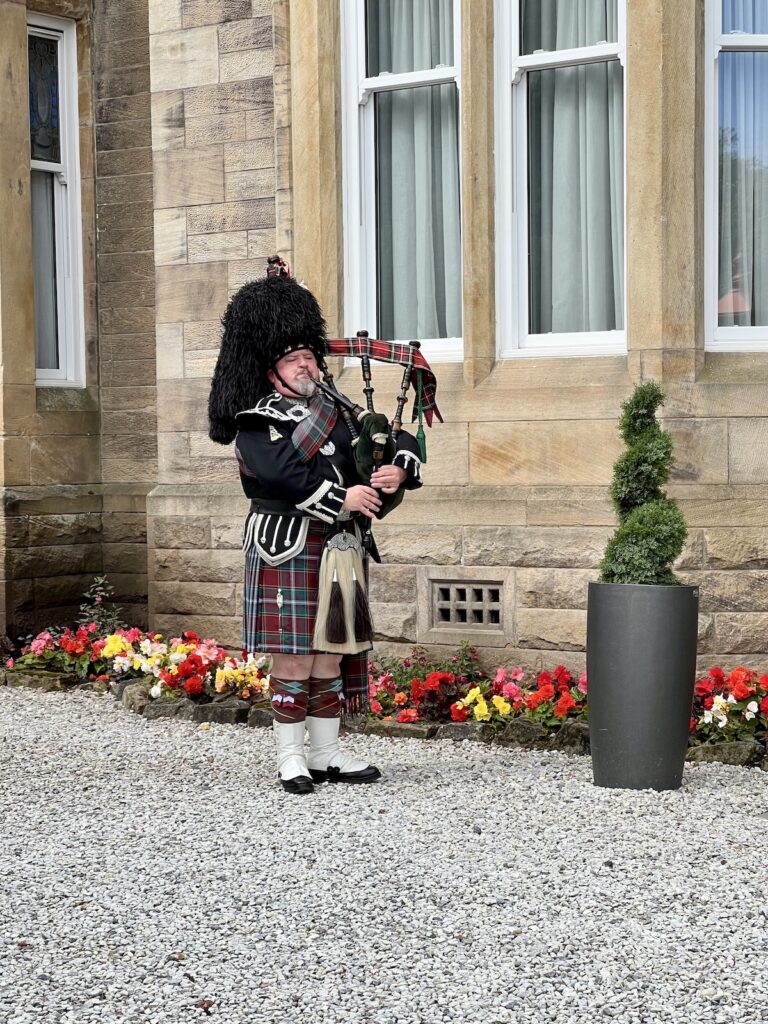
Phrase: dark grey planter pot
(641, 669)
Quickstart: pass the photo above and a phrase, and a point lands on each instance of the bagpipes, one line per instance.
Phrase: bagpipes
(374, 438)
(343, 622)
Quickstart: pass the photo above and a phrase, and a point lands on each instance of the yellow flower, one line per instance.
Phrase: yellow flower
(115, 645)
(501, 705)
(473, 695)
(481, 712)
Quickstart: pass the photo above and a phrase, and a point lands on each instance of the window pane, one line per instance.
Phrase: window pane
(44, 98)
(743, 190)
(44, 267)
(576, 199)
(408, 35)
(745, 16)
(563, 24)
(418, 223)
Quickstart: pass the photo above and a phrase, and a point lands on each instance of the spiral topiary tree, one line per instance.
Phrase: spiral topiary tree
(651, 530)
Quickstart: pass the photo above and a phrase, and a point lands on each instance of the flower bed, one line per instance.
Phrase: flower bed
(196, 678)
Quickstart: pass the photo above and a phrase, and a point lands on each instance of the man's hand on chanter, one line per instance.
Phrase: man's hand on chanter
(388, 478)
(362, 499)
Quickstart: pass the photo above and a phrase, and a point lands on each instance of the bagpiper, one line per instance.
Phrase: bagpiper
(305, 535)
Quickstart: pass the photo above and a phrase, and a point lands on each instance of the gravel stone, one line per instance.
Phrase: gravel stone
(153, 872)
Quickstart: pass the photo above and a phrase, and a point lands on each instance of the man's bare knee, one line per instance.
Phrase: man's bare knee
(292, 666)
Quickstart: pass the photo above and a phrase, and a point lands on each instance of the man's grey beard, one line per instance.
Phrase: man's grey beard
(305, 386)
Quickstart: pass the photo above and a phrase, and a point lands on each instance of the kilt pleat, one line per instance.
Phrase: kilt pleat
(286, 629)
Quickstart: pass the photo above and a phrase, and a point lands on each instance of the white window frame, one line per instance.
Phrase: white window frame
(717, 338)
(67, 211)
(511, 131)
(359, 172)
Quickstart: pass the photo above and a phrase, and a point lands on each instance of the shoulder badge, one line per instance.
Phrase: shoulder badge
(274, 435)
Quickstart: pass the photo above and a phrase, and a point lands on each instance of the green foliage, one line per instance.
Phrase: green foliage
(652, 530)
(99, 607)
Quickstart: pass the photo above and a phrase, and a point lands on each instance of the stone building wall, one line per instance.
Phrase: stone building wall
(217, 188)
(78, 462)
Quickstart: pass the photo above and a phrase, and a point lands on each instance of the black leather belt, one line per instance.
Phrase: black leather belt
(275, 506)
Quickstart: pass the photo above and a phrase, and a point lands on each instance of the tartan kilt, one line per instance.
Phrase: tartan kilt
(290, 629)
(286, 630)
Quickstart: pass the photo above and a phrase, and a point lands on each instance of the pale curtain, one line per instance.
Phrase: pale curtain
(743, 173)
(575, 173)
(417, 164)
(44, 271)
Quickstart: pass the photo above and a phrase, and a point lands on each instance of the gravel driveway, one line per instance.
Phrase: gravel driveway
(147, 867)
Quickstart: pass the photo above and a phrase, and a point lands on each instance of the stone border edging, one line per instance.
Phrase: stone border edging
(571, 738)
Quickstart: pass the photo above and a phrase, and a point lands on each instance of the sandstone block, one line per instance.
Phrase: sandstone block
(706, 639)
(745, 633)
(254, 213)
(117, 527)
(550, 452)
(168, 120)
(701, 450)
(213, 12)
(121, 374)
(128, 188)
(392, 583)
(226, 245)
(185, 179)
(227, 533)
(745, 548)
(747, 450)
(127, 320)
(553, 588)
(260, 123)
(245, 64)
(458, 731)
(182, 405)
(258, 184)
(204, 566)
(180, 532)
(248, 156)
(183, 59)
(55, 459)
(191, 598)
(539, 547)
(226, 712)
(201, 364)
(164, 15)
(123, 134)
(260, 718)
(77, 528)
(552, 629)
(221, 128)
(128, 470)
(693, 555)
(394, 621)
(214, 100)
(169, 354)
(743, 591)
(256, 33)
(120, 557)
(204, 335)
(227, 631)
(261, 243)
(190, 293)
(170, 237)
(413, 545)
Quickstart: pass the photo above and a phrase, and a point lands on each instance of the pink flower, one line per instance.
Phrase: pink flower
(581, 686)
(42, 642)
(376, 707)
(9, 663)
(516, 674)
(500, 678)
(92, 627)
(511, 691)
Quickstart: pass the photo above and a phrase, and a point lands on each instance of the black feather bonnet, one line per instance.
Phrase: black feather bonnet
(264, 320)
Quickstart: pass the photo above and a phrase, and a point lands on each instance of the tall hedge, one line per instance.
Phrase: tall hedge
(651, 530)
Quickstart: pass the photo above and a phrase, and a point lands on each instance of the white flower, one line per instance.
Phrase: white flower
(156, 691)
(145, 646)
(751, 710)
(177, 657)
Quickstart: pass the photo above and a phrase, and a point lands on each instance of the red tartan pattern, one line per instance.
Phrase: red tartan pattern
(290, 630)
(394, 352)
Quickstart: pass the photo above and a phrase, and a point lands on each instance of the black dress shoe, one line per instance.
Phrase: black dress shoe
(301, 784)
(369, 774)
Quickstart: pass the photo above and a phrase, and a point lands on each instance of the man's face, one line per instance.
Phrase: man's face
(299, 370)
